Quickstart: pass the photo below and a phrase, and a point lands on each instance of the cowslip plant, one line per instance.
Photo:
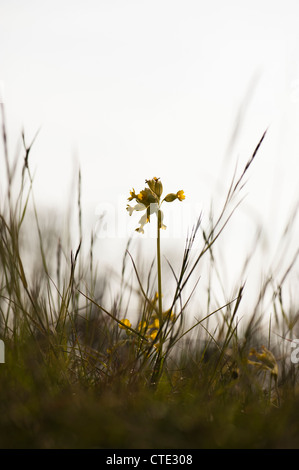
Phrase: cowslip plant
(266, 362)
(150, 200)
(158, 330)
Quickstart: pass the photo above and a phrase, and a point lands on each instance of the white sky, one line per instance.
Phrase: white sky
(134, 89)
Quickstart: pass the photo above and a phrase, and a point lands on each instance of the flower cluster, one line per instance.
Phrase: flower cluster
(150, 330)
(149, 200)
(150, 324)
(266, 360)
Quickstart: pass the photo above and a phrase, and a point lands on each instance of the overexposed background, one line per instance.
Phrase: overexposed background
(131, 89)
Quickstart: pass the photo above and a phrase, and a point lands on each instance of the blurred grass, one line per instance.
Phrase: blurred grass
(73, 378)
(39, 409)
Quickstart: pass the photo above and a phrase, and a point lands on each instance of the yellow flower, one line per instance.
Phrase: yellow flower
(132, 195)
(149, 200)
(126, 323)
(173, 196)
(267, 361)
(169, 315)
(142, 325)
(147, 197)
(155, 324)
(180, 195)
(153, 334)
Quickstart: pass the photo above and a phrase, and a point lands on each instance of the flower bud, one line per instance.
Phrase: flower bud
(156, 186)
(170, 197)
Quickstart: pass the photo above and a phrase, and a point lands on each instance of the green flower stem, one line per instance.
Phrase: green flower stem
(159, 265)
(158, 363)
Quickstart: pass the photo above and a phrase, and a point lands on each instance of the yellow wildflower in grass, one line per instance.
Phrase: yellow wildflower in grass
(142, 325)
(169, 315)
(267, 362)
(126, 323)
(149, 200)
(153, 334)
(266, 359)
(155, 324)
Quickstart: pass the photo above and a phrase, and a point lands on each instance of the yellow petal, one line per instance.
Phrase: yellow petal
(126, 323)
(180, 195)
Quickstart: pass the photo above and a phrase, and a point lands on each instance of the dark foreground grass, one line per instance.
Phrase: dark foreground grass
(40, 409)
(79, 375)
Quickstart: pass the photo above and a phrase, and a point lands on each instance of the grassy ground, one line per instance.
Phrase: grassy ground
(80, 375)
